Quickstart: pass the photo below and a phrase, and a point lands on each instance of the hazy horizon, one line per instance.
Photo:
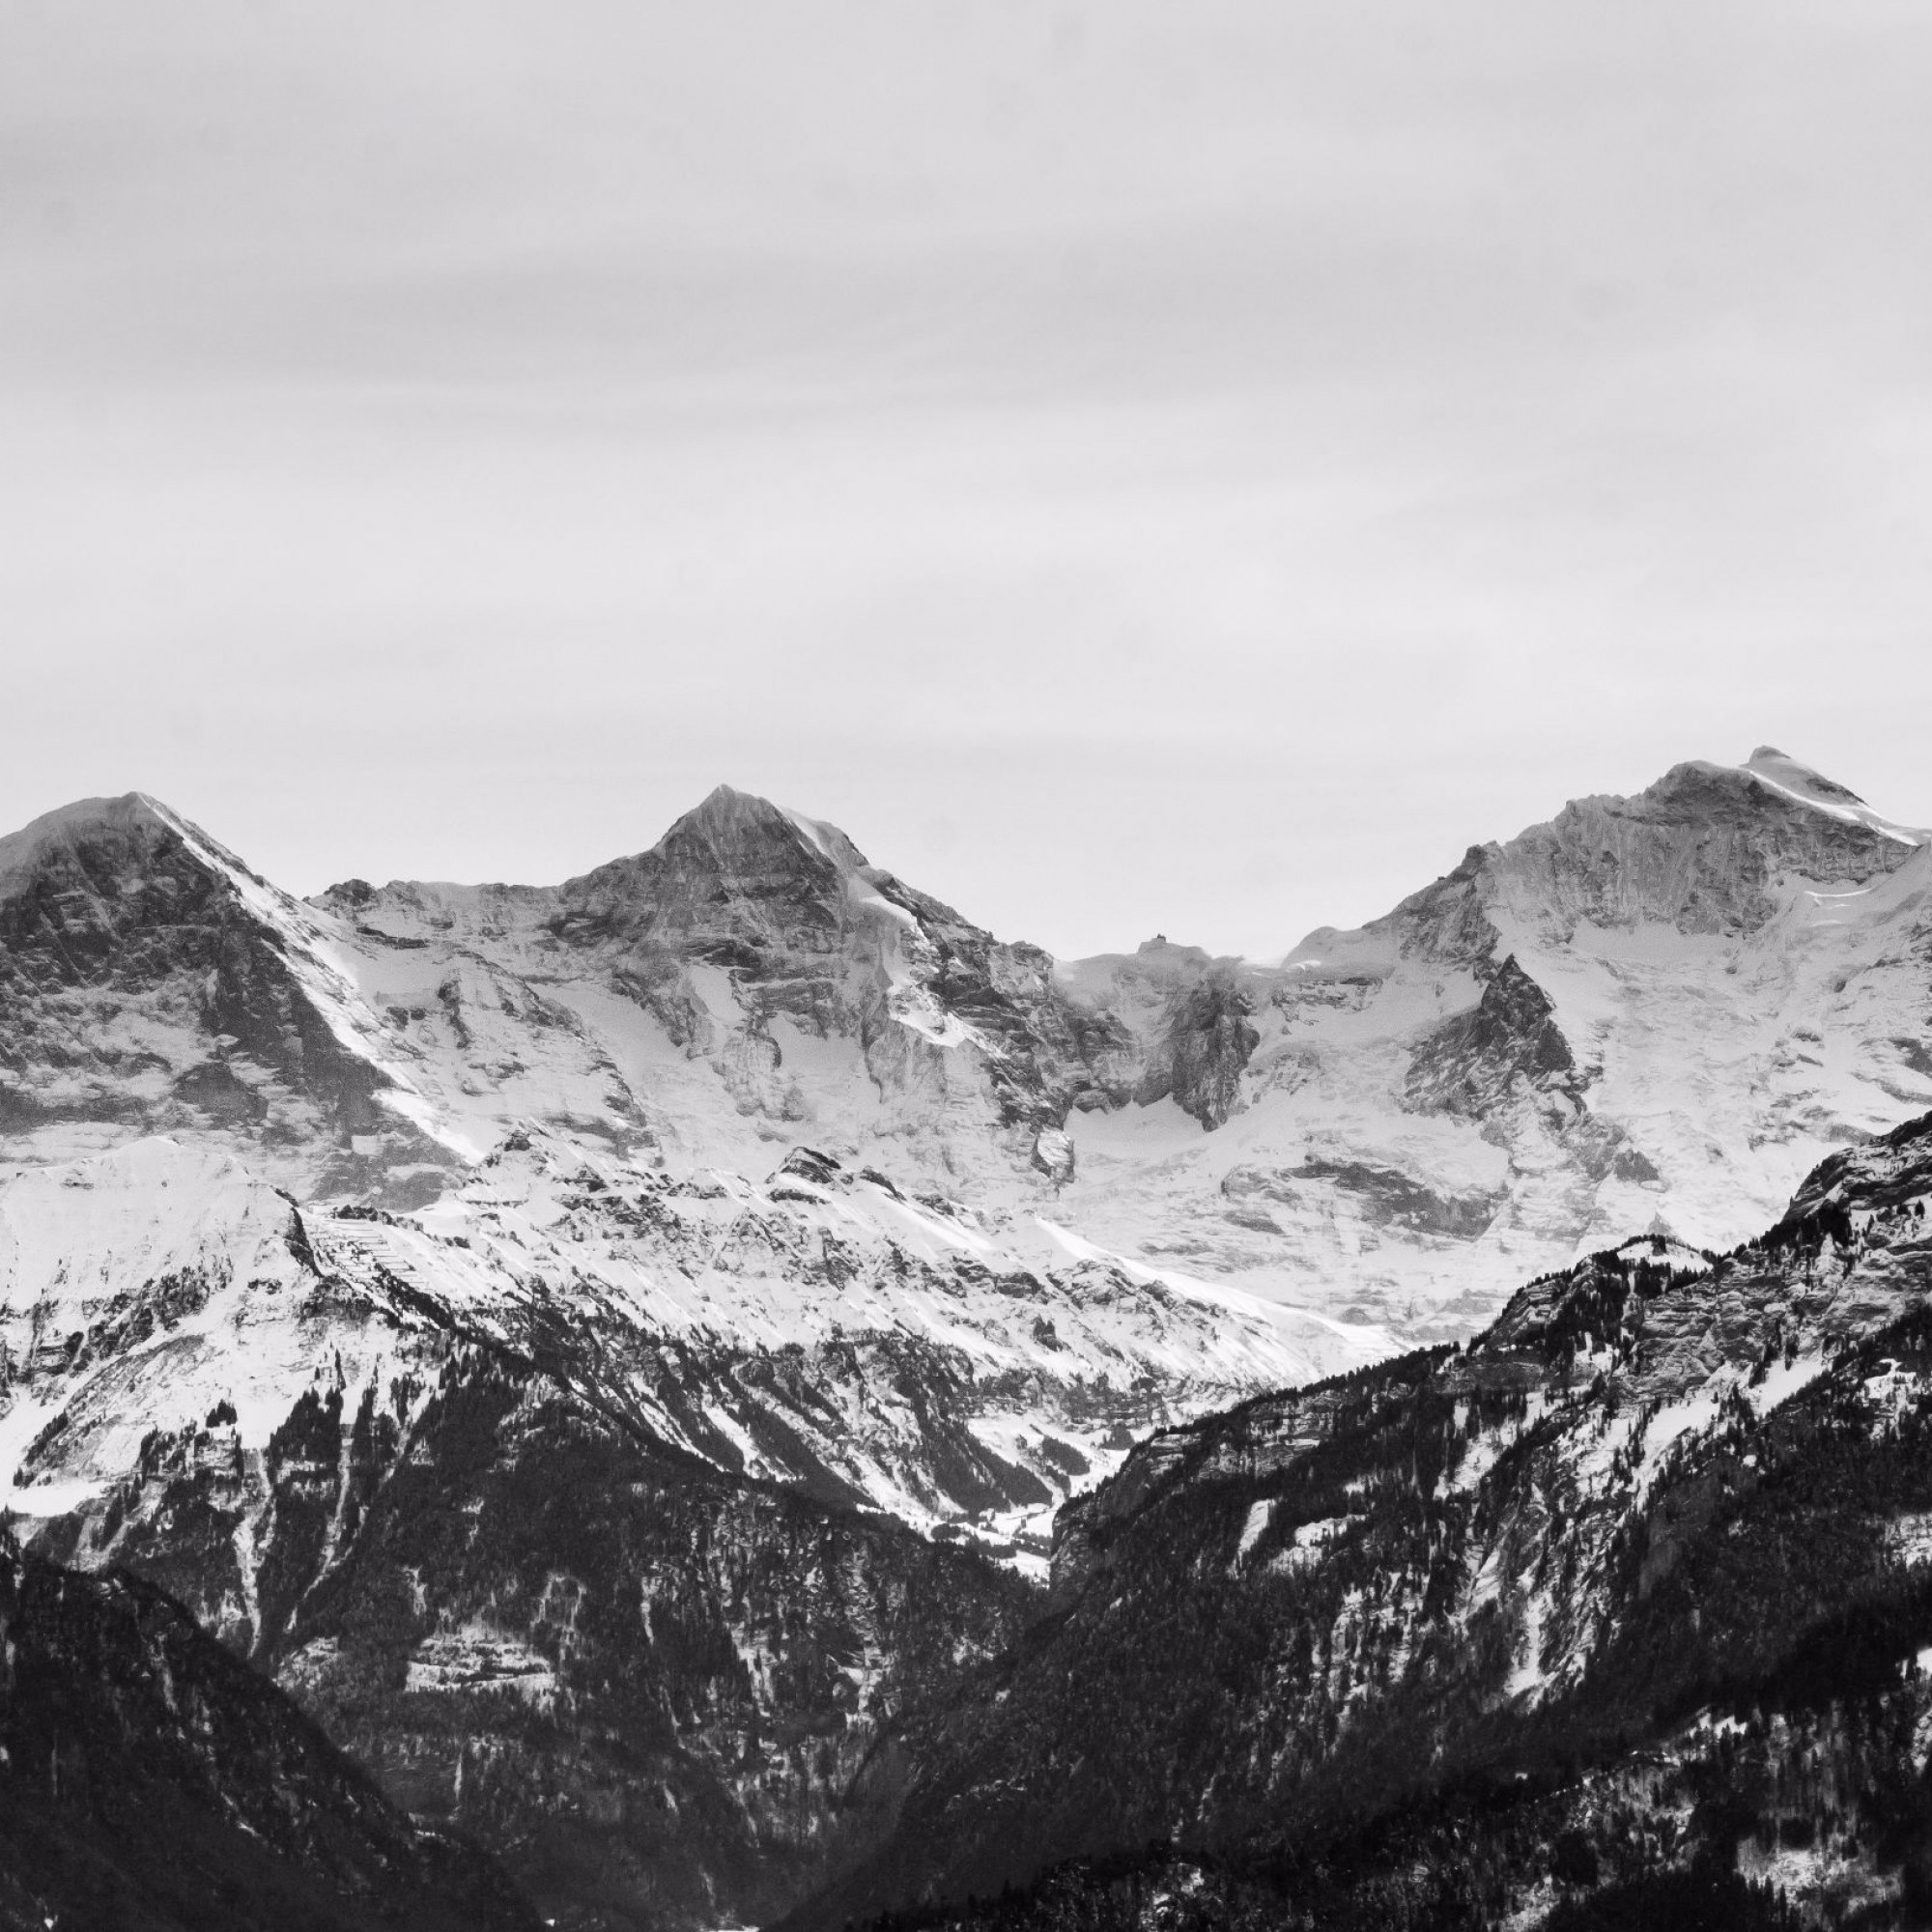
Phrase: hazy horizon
(1133, 471)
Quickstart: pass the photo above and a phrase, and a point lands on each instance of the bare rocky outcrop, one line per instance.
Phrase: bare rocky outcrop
(142, 993)
(1508, 1042)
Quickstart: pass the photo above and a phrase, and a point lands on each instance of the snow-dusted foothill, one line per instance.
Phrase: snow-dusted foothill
(818, 1328)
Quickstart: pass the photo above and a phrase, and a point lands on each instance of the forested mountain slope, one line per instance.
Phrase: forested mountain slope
(152, 1782)
(1633, 1593)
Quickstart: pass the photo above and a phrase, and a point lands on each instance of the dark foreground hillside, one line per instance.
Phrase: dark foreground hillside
(642, 1685)
(1620, 1617)
(152, 1782)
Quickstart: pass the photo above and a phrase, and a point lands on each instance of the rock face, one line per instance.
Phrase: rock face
(1630, 1597)
(144, 989)
(150, 1781)
(1509, 1042)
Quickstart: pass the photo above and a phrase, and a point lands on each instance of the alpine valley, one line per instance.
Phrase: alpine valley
(737, 1393)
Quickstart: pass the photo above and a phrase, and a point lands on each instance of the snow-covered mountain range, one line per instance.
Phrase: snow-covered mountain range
(1652, 1012)
(611, 1104)
(830, 1221)
(1616, 1018)
(748, 1092)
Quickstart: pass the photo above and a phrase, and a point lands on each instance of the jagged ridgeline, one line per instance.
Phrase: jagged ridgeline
(1662, 1009)
(1621, 1616)
(615, 1352)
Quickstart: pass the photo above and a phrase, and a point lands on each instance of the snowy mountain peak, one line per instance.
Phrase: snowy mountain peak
(735, 870)
(733, 827)
(85, 821)
(1784, 775)
(1773, 796)
(95, 846)
(1705, 849)
(1768, 761)
(151, 982)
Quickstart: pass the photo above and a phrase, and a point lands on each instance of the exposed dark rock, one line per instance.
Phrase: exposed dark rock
(1471, 1065)
(1388, 1198)
(809, 1164)
(105, 907)
(1207, 1040)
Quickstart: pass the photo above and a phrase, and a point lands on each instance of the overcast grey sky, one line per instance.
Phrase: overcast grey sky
(1193, 466)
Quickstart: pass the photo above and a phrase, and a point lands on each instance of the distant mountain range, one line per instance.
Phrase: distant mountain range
(615, 1352)
(1662, 1008)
